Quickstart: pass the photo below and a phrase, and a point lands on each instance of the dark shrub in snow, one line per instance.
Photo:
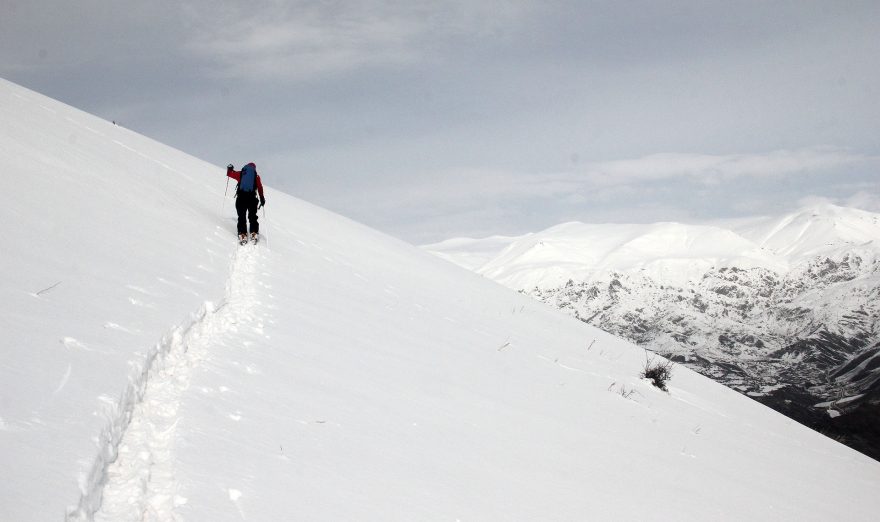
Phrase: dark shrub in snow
(659, 372)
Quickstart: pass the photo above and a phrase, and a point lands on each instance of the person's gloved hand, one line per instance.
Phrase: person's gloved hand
(262, 202)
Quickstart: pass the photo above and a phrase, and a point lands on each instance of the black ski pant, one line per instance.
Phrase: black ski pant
(246, 204)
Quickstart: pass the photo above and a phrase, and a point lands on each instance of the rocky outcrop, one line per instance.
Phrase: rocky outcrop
(806, 343)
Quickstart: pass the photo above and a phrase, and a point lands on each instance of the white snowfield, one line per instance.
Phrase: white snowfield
(674, 253)
(154, 370)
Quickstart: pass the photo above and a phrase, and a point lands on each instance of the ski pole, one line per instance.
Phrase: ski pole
(225, 193)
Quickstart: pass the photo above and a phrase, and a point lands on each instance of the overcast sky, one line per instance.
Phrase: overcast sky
(434, 119)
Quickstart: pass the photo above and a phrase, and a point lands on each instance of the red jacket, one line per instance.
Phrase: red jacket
(236, 175)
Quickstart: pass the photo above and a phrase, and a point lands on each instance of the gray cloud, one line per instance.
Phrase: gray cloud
(714, 168)
(307, 41)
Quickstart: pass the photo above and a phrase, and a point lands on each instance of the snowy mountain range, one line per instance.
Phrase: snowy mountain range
(153, 370)
(784, 309)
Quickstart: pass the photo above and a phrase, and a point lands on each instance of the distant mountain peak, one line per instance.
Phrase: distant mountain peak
(769, 306)
(673, 250)
(819, 229)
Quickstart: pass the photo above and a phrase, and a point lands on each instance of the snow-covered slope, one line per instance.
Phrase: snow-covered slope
(154, 370)
(673, 252)
(821, 229)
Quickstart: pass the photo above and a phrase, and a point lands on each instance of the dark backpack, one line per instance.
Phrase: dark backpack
(248, 181)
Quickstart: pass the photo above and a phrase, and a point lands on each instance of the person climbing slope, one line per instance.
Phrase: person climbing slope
(246, 202)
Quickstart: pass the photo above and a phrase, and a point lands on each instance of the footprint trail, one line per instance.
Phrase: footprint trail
(133, 479)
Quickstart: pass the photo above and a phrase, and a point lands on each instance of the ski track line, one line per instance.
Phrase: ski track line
(133, 476)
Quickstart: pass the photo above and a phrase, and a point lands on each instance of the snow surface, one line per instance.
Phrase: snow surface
(674, 253)
(154, 370)
(821, 229)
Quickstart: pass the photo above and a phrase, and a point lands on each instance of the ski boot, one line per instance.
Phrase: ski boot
(242, 239)
(255, 237)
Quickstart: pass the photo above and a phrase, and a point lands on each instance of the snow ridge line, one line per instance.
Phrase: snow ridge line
(132, 477)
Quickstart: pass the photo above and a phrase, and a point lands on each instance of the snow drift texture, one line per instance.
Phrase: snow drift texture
(154, 370)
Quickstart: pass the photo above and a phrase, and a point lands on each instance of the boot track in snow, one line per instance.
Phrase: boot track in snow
(133, 476)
